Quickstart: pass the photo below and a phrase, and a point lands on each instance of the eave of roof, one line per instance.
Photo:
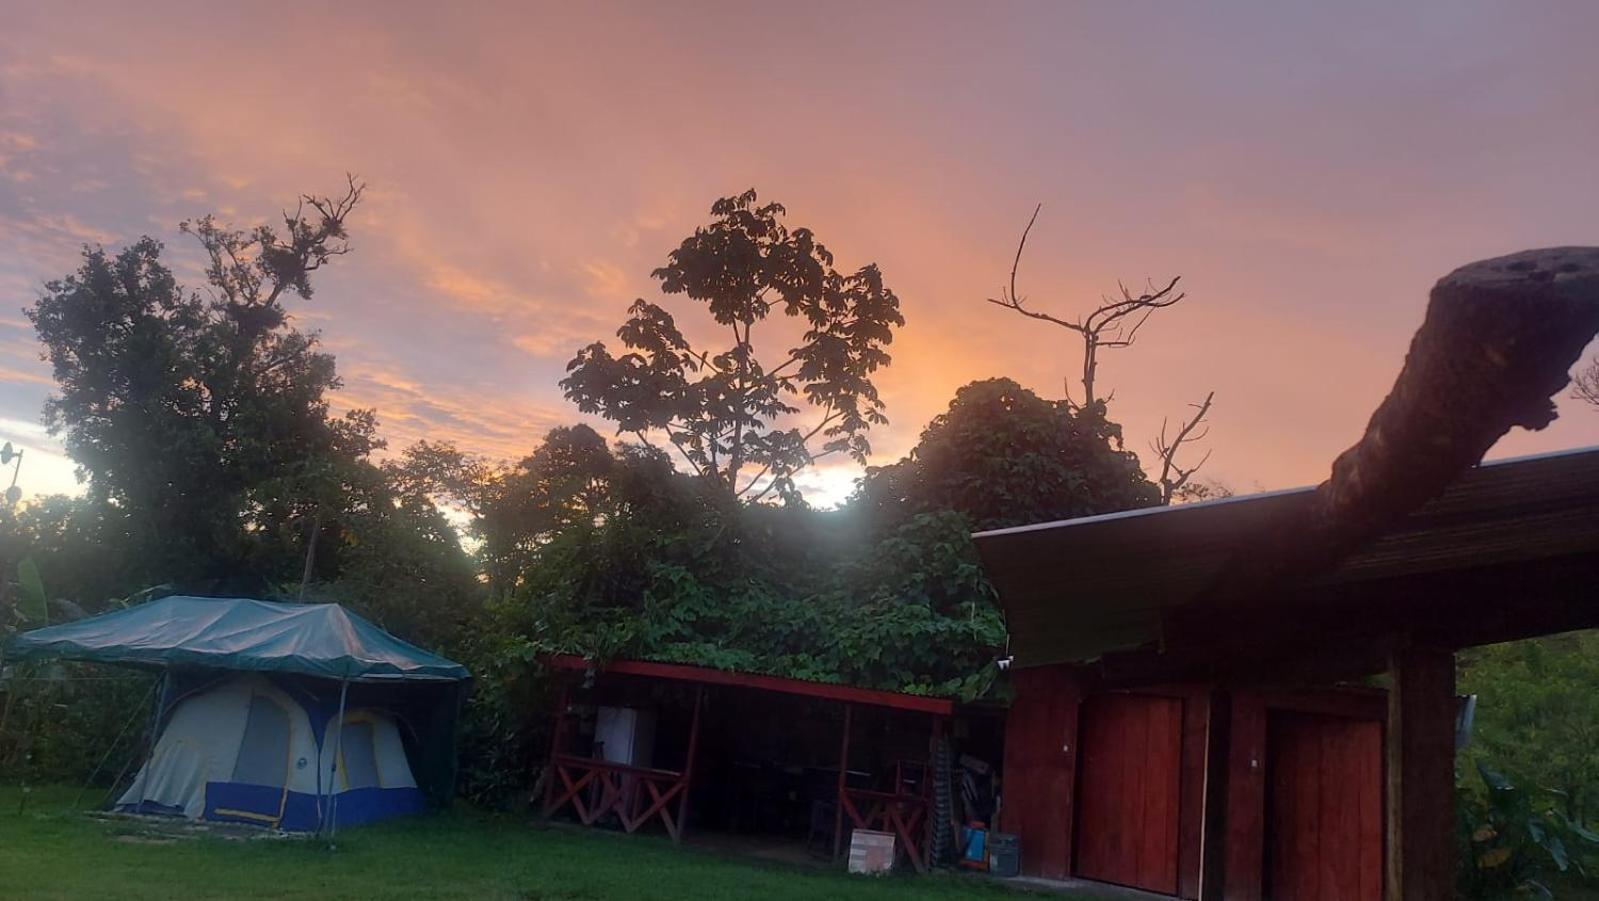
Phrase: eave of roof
(1078, 589)
(702, 675)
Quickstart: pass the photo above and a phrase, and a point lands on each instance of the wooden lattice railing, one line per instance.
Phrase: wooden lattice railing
(595, 787)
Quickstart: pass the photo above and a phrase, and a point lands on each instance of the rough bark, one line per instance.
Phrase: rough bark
(1498, 342)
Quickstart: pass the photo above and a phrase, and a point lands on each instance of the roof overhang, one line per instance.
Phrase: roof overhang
(1511, 548)
(702, 675)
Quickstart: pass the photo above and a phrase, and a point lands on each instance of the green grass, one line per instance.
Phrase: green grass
(54, 851)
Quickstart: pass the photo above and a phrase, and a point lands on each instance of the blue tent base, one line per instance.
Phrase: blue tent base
(273, 808)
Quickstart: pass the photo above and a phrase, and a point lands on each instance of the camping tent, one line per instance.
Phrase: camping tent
(291, 715)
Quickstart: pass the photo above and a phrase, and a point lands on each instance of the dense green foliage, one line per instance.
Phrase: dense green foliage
(1537, 716)
(1530, 777)
(1515, 841)
(47, 849)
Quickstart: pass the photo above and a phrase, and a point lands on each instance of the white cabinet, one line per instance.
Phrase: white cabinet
(626, 735)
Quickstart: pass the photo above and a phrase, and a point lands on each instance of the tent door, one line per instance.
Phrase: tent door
(263, 761)
(358, 764)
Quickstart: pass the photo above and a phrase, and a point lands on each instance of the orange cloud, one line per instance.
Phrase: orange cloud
(1308, 192)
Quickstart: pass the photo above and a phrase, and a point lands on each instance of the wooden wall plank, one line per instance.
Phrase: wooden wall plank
(1191, 803)
(1246, 797)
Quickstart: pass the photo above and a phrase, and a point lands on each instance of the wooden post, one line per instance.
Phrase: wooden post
(931, 789)
(557, 736)
(843, 767)
(1213, 832)
(1420, 774)
(688, 764)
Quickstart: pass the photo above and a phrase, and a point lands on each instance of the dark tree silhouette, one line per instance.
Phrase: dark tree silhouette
(1113, 324)
(1585, 386)
(201, 420)
(1003, 456)
(726, 411)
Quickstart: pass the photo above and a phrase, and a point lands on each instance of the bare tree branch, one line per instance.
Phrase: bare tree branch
(1174, 476)
(1106, 326)
(1586, 384)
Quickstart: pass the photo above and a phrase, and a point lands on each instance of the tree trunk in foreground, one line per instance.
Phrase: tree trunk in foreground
(1498, 342)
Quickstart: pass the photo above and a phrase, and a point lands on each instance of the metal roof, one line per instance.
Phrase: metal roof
(1077, 589)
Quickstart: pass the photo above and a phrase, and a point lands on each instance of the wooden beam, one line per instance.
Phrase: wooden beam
(1344, 631)
(688, 764)
(680, 672)
(843, 769)
(1420, 775)
(557, 740)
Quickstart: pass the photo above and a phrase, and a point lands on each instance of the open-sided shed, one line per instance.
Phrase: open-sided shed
(640, 763)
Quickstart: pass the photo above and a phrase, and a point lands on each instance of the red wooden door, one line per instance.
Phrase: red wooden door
(1039, 734)
(1323, 808)
(1128, 790)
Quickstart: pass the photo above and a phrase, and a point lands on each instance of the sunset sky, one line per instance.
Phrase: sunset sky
(1308, 169)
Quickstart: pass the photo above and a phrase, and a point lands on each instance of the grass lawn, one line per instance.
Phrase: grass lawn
(54, 851)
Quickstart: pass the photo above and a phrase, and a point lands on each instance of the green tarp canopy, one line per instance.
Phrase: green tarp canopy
(322, 640)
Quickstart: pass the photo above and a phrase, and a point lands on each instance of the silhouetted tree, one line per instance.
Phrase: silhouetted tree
(1114, 324)
(176, 406)
(1003, 456)
(727, 411)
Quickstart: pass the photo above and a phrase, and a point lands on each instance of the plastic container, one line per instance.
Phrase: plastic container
(1004, 854)
(871, 851)
(974, 847)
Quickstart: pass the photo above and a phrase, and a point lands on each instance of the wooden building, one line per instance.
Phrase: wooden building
(1183, 728)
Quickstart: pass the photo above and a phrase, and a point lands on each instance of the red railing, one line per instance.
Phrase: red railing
(595, 787)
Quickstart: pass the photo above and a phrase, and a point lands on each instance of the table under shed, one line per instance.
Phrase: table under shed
(594, 787)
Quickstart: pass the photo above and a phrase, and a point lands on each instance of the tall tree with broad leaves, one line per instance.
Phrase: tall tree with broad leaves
(200, 416)
(728, 413)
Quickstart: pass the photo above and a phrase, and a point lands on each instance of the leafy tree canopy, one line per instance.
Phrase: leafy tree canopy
(726, 411)
(1003, 456)
(200, 421)
(178, 406)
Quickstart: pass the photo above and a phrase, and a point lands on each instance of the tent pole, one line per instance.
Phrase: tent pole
(338, 748)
